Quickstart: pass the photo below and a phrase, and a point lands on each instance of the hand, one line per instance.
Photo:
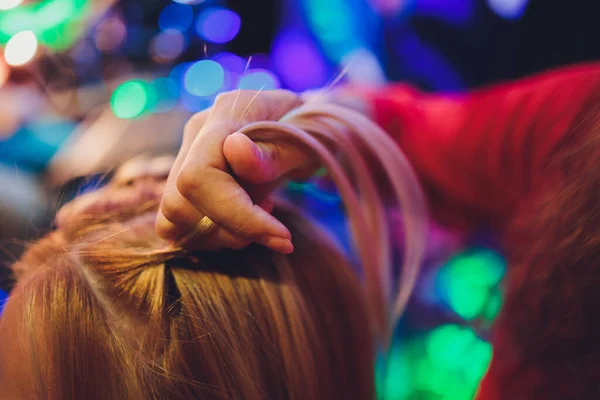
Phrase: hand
(222, 174)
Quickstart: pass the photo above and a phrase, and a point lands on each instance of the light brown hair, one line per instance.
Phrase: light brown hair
(114, 313)
(112, 320)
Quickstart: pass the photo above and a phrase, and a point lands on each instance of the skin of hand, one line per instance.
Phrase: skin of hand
(222, 174)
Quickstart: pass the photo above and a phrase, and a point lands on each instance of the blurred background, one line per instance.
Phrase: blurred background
(86, 84)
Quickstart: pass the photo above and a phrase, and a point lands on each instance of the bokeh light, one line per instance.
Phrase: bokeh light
(110, 34)
(363, 67)
(8, 4)
(167, 94)
(388, 7)
(189, 2)
(258, 79)
(131, 99)
(177, 73)
(204, 78)
(509, 9)
(458, 12)
(469, 283)
(298, 62)
(218, 25)
(85, 53)
(335, 24)
(21, 48)
(167, 46)
(56, 23)
(176, 16)
(457, 349)
(3, 298)
(231, 62)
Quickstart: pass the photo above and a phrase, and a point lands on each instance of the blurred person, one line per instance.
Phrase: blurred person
(522, 158)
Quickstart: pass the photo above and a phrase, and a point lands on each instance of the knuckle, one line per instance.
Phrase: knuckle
(187, 182)
(172, 208)
(224, 99)
(166, 229)
(193, 125)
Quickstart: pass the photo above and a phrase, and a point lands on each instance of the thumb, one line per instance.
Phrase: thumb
(262, 162)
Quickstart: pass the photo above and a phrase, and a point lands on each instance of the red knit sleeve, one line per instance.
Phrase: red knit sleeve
(478, 154)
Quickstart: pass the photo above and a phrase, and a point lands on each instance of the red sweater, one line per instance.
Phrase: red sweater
(480, 154)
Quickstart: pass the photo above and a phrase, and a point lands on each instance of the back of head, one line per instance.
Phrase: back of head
(115, 319)
(107, 310)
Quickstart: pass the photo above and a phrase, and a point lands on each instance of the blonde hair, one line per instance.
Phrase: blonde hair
(114, 314)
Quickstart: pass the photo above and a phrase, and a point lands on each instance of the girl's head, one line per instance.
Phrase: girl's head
(103, 309)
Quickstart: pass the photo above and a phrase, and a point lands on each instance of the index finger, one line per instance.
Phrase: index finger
(217, 194)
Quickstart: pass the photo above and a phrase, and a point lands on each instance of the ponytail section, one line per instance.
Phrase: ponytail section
(330, 131)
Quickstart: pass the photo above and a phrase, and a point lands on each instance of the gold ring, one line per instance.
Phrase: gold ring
(205, 226)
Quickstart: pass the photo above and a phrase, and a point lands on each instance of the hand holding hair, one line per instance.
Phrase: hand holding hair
(226, 171)
(226, 177)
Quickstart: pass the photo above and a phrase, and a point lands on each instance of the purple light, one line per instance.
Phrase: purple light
(509, 9)
(167, 45)
(298, 62)
(388, 7)
(452, 11)
(218, 25)
(260, 61)
(189, 2)
(258, 79)
(231, 62)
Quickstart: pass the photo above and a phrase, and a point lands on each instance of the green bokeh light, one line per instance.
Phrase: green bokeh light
(132, 99)
(394, 379)
(447, 344)
(447, 363)
(471, 283)
(56, 23)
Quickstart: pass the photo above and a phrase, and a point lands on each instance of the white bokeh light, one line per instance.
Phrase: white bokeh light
(8, 4)
(21, 48)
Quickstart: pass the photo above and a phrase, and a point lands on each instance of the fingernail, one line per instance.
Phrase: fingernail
(279, 244)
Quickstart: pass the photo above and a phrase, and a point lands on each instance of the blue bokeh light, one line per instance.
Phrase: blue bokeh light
(204, 78)
(178, 72)
(428, 64)
(335, 24)
(218, 25)
(258, 79)
(167, 94)
(176, 16)
(509, 9)
(3, 299)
